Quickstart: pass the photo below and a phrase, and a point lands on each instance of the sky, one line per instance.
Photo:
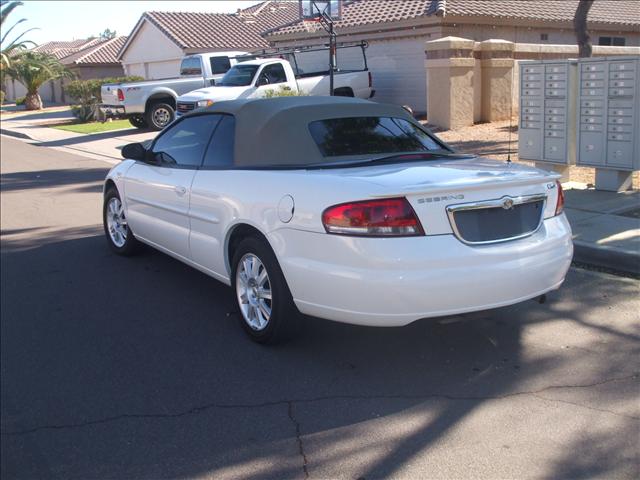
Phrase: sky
(69, 20)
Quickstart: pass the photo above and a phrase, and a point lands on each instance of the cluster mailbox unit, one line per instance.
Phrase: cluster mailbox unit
(545, 108)
(599, 110)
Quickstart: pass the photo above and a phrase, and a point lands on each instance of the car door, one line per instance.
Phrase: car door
(158, 192)
(271, 77)
(212, 210)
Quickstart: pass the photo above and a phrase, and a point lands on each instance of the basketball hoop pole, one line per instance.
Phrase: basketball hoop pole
(327, 23)
(332, 54)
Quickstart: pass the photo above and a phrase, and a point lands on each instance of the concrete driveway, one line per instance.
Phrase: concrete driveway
(136, 368)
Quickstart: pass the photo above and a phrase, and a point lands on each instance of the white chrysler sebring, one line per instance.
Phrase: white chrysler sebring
(339, 208)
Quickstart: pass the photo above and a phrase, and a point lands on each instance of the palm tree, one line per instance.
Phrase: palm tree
(33, 69)
(16, 45)
(580, 26)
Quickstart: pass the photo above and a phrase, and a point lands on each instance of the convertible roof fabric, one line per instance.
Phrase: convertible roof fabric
(274, 131)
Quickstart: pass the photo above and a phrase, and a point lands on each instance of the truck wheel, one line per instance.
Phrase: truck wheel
(138, 121)
(160, 115)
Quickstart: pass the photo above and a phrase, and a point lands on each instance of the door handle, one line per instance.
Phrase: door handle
(180, 191)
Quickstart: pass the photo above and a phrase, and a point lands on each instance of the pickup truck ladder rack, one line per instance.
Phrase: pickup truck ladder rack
(279, 51)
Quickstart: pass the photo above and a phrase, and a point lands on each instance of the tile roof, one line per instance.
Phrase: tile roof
(368, 12)
(105, 52)
(61, 50)
(240, 30)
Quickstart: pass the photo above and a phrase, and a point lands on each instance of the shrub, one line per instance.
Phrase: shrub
(86, 94)
(20, 101)
(84, 113)
(283, 92)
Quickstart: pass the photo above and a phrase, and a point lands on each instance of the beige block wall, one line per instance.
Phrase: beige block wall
(529, 34)
(479, 81)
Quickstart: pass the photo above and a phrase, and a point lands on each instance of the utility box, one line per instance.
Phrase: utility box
(547, 110)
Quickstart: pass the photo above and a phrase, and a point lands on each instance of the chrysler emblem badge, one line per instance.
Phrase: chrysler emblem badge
(507, 204)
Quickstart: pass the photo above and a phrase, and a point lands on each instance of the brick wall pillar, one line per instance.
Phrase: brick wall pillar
(496, 59)
(450, 64)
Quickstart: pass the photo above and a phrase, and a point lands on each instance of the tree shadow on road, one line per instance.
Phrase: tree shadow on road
(137, 368)
(16, 181)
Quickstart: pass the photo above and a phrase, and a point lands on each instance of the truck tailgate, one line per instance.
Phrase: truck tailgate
(109, 94)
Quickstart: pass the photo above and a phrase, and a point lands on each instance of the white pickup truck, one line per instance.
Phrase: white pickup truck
(152, 103)
(255, 78)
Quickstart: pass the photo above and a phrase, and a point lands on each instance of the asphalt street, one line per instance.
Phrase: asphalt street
(136, 368)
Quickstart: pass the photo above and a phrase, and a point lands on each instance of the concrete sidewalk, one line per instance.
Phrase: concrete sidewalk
(104, 146)
(606, 225)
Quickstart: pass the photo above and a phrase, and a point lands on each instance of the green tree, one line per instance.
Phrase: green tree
(33, 69)
(108, 34)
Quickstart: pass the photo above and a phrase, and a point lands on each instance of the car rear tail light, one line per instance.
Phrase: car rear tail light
(120, 95)
(560, 202)
(370, 80)
(389, 217)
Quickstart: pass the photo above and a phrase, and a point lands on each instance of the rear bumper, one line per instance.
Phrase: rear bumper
(393, 282)
(113, 110)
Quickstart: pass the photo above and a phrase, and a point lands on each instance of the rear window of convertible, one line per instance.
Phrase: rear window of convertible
(370, 135)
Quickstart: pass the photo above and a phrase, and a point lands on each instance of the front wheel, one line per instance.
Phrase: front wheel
(160, 115)
(267, 311)
(116, 229)
(138, 121)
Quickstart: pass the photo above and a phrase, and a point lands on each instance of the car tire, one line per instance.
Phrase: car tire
(283, 318)
(138, 121)
(119, 236)
(160, 115)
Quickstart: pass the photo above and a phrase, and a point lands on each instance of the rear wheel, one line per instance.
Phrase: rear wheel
(160, 115)
(267, 312)
(119, 235)
(138, 121)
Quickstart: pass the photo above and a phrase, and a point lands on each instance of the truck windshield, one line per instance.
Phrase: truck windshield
(238, 76)
(338, 137)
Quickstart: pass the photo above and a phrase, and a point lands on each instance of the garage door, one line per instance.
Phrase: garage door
(167, 69)
(399, 74)
(135, 69)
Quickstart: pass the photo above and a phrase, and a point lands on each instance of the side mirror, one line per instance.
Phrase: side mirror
(134, 151)
(262, 80)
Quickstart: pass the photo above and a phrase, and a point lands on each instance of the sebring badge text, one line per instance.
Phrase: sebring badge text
(441, 199)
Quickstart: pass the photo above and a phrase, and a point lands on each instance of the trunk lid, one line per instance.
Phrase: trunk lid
(466, 197)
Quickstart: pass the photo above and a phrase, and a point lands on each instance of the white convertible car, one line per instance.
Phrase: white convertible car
(339, 208)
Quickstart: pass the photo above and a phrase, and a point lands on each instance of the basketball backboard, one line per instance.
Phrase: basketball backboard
(313, 9)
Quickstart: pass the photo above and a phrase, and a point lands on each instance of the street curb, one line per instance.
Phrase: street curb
(606, 257)
(12, 133)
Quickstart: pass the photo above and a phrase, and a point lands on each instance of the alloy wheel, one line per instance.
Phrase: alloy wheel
(116, 222)
(254, 292)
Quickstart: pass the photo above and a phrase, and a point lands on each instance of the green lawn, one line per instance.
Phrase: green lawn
(94, 127)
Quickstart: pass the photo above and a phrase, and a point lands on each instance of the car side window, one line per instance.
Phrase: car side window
(273, 73)
(219, 65)
(220, 151)
(184, 143)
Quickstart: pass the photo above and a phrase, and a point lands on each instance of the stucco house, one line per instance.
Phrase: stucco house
(160, 39)
(397, 32)
(86, 58)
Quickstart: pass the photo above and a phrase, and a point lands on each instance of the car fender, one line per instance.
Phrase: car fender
(117, 175)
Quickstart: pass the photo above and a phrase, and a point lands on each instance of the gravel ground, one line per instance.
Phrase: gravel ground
(492, 140)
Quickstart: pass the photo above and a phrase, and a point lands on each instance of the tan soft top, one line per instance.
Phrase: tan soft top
(274, 131)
